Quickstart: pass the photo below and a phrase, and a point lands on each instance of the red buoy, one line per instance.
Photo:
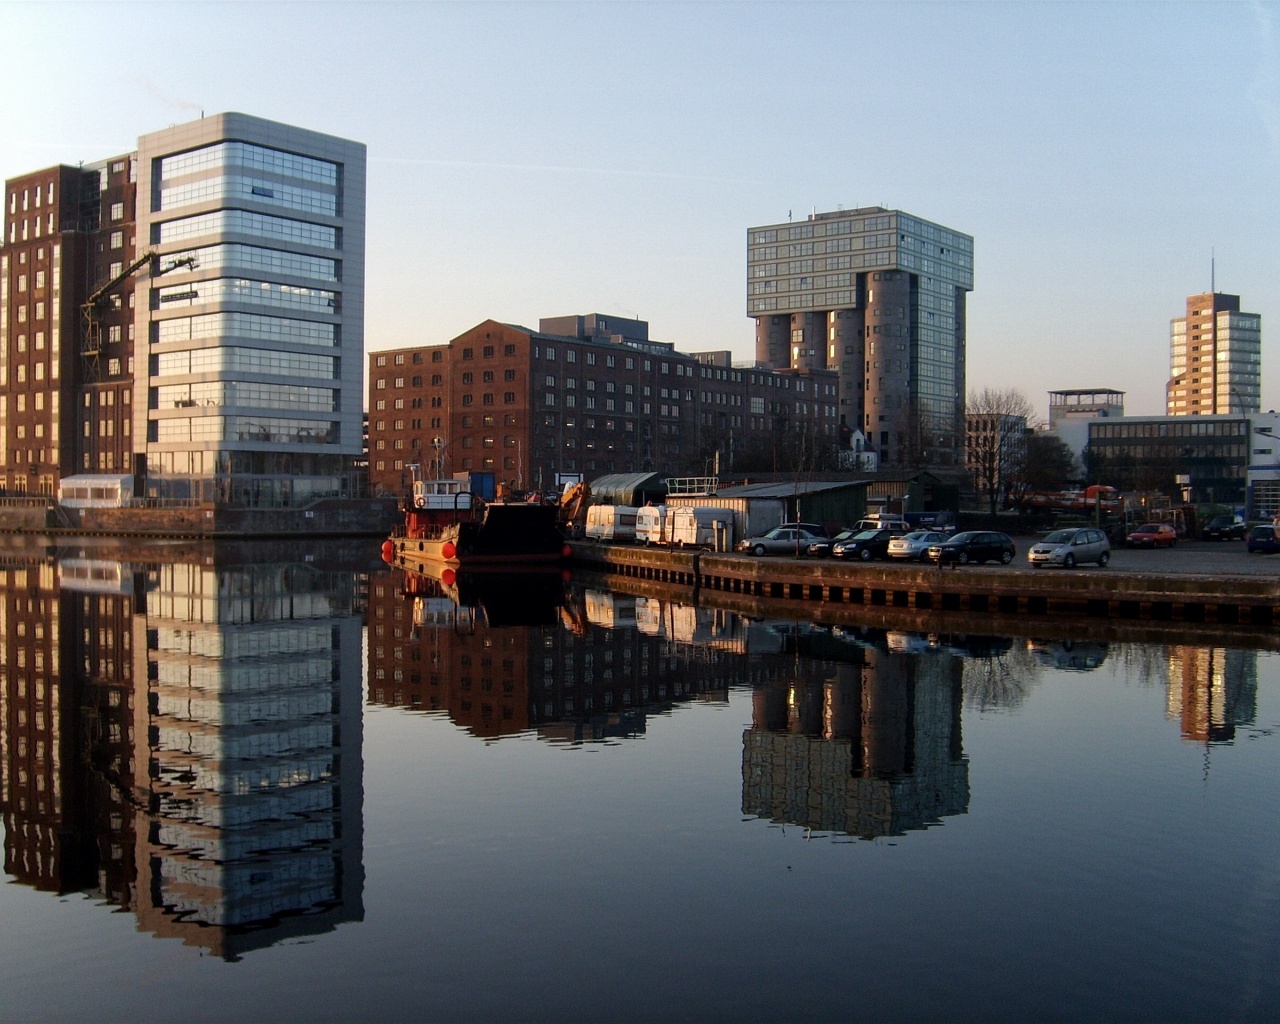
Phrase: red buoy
(448, 549)
(448, 577)
(566, 552)
(388, 551)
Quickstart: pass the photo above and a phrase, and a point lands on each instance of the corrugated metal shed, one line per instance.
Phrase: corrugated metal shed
(628, 489)
(832, 503)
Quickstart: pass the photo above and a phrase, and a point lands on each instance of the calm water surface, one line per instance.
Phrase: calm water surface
(248, 783)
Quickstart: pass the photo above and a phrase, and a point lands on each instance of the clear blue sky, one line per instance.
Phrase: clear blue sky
(532, 160)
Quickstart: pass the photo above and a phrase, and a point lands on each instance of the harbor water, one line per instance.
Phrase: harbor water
(253, 782)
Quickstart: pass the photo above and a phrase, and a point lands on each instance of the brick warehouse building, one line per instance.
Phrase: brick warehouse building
(584, 394)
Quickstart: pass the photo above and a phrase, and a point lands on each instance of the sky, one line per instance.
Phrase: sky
(529, 160)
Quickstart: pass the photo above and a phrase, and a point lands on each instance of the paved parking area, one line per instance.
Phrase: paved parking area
(1201, 558)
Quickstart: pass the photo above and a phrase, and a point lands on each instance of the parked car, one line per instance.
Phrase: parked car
(1265, 539)
(974, 546)
(788, 539)
(864, 545)
(1153, 535)
(1068, 548)
(822, 548)
(1229, 527)
(914, 546)
(894, 523)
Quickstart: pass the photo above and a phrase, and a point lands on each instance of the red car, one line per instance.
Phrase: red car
(1153, 535)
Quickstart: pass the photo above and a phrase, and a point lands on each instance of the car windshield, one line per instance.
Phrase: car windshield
(1147, 529)
(866, 535)
(1060, 537)
(917, 535)
(845, 535)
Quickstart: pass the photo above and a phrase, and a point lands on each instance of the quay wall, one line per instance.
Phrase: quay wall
(325, 517)
(1235, 599)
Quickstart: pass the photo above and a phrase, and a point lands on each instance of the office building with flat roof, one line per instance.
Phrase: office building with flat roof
(190, 315)
(878, 296)
(1215, 359)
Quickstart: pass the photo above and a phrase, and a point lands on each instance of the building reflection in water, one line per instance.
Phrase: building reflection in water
(184, 739)
(851, 735)
(867, 744)
(1211, 691)
(502, 655)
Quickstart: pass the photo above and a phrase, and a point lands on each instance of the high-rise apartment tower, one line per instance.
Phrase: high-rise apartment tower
(879, 296)
(1215, 358)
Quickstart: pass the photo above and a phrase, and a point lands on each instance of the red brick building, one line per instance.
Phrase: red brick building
(582, 394)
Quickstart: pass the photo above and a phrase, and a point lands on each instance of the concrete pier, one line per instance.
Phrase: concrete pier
(1247, 599)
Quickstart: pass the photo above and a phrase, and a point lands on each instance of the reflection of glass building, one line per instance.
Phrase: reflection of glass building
(197, 759)
(869, 748)
(1212, 690)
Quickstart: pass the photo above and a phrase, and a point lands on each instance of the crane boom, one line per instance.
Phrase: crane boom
(91, 309)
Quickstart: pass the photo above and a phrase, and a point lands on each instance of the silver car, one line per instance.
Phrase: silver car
(781, 540)
(915, 545)
(1068, 548)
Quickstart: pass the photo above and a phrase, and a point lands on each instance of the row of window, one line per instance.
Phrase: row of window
(233, 359)
(245, 154)
(233, 255)
(245, 393)
(243, 222)
(233, 188)
(247, 325)
(261, 293)
(266, 429)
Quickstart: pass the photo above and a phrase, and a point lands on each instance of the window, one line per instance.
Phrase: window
(117, 211)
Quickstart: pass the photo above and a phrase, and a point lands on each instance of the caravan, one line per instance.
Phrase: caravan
(611, 522)
(651, 525)
(700, 527)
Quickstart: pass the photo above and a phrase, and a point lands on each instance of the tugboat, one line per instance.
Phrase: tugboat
(445, 521)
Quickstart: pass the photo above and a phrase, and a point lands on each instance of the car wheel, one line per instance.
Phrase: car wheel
(758, 549)
(1103, 559)
(1069, 562)
(865, 554)
(1006, 557)
(963, 558)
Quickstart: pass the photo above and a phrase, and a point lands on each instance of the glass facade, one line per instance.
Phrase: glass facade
(878, 295)
(277, 261)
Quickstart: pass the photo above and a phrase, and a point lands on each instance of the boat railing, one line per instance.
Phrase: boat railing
(692, 486)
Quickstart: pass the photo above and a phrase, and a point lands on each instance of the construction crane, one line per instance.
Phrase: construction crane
(96, 304)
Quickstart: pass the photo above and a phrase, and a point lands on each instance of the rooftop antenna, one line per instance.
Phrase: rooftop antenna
(788, 216)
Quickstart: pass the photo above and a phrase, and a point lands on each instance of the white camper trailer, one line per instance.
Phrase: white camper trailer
(611, 522)
(651, 525)
(701, 527)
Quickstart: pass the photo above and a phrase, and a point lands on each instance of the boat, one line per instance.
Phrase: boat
(465, 598)
(446, 521)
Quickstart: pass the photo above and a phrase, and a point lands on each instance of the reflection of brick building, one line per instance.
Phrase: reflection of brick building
(869, 749)
(574, 680)
(582, 394)
(195, 757)
(1212, 690)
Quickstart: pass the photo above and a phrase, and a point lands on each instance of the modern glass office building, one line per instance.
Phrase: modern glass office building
(249, 376)
(879, 296)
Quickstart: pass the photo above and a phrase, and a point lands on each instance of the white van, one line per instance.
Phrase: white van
(701, 527)
(651, 525)
(611, 522)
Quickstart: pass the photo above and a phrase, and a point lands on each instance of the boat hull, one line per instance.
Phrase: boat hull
(505, 534)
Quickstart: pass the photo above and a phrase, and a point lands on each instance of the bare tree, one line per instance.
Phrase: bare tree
(996, 424)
